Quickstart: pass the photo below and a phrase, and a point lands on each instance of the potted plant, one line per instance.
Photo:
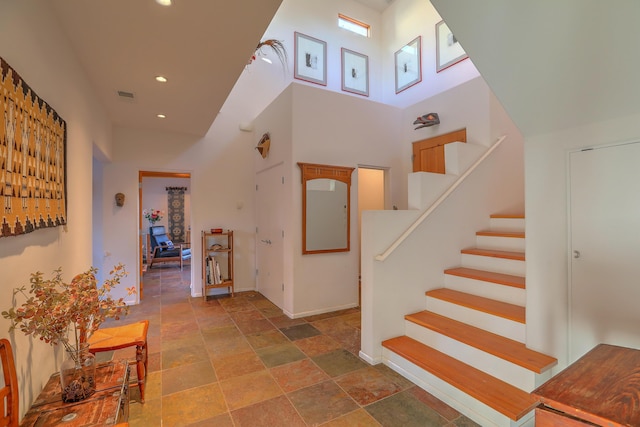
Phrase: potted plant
(64, 313)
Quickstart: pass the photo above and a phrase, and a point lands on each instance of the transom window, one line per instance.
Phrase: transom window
(353, 25)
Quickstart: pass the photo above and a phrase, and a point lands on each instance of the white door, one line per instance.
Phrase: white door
(604, 292)
(269, 239)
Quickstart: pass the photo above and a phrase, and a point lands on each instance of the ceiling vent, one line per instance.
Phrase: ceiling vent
(125, 94)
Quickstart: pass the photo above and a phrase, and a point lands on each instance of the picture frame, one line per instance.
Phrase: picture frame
(355, 72)
(408, 64)
(310, 62)
(448, 50)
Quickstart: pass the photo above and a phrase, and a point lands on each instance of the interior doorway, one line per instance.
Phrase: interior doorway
(371, 196)
(153, 188)
(604, 216)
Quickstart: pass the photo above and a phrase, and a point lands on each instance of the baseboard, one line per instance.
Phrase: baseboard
(319, 311)
(370, 360)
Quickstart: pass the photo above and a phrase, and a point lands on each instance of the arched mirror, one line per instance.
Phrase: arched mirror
(326, 194)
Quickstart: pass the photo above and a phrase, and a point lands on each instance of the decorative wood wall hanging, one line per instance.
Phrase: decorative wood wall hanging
(33, 140)
(264, 145)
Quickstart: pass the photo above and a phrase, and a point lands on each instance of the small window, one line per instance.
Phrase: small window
(353, 25)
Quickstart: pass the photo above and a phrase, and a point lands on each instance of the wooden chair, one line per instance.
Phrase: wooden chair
(163, 250)
(9, 399)
(118, 337)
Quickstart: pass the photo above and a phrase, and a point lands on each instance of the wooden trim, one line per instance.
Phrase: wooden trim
(149, 174)
(310, 171)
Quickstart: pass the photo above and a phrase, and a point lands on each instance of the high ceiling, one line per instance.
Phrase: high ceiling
(553, 64)
(200, 46)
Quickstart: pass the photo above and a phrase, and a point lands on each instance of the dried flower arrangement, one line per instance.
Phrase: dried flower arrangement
(68, 313)
(276, 46)
(54, 310)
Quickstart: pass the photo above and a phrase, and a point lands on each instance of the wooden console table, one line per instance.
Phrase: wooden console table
(601, 388)
(108, 406)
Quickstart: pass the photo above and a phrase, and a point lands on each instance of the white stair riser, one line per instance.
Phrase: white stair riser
(484, 289)
(502, 369)
(515, 244)
(507, 224)
(498, 265)
(463, 403)
(497, 325)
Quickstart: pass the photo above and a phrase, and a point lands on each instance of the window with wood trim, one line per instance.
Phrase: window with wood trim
(353, 25)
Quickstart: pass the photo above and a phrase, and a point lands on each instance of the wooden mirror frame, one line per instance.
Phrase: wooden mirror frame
(312, 171)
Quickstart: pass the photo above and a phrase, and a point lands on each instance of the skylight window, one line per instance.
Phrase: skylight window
(353, 25)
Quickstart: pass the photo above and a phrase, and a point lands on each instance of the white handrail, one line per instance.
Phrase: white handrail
(438, 202)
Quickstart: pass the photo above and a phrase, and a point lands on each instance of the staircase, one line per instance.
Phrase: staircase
(467, 348)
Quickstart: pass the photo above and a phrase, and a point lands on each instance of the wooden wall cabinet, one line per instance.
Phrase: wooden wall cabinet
(217, 261)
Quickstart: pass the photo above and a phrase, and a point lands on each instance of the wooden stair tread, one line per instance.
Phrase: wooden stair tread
(488, 276)
(508, 216)
(497, 345)
(499, 395)
(518, 256)
(498, 233)
(485, 305)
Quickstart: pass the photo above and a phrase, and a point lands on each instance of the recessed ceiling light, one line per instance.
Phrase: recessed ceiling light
(161, 79)
(161, 116)
(164, 2)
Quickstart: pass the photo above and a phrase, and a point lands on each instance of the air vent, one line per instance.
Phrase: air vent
(125, 94)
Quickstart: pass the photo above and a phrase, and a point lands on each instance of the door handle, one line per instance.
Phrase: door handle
(576, 254)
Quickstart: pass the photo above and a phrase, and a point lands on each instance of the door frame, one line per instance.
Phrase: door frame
(569, 248)
(151, 174)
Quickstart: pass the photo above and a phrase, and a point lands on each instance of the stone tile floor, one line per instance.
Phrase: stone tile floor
(241, 362)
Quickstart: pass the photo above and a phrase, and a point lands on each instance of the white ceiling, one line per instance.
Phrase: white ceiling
(553, 64)
(201, 46)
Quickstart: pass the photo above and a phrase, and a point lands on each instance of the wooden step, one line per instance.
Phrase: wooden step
(508, 216)
(485, 305)
(499, 346)
(498, 233)
(499, 395)
(488, 276)
(518, 256)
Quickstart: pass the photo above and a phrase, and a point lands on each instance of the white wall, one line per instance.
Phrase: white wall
(221, 191)
(309, 124)
(154, 196)
(396, 286)
(403, 21)
(546, 229)
(33, 44)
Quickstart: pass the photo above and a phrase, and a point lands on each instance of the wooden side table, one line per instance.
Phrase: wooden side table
(108, 406)
(601, 388)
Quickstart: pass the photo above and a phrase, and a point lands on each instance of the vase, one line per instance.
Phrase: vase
(77, 374)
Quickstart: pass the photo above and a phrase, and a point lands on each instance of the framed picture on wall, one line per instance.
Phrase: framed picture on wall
(310, 63)
(355, 72)
(448, 49)
(408, 65)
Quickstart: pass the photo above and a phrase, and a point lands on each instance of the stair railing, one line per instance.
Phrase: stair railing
(438, 202)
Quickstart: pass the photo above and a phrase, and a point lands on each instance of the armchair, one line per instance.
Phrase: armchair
(163, 250)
